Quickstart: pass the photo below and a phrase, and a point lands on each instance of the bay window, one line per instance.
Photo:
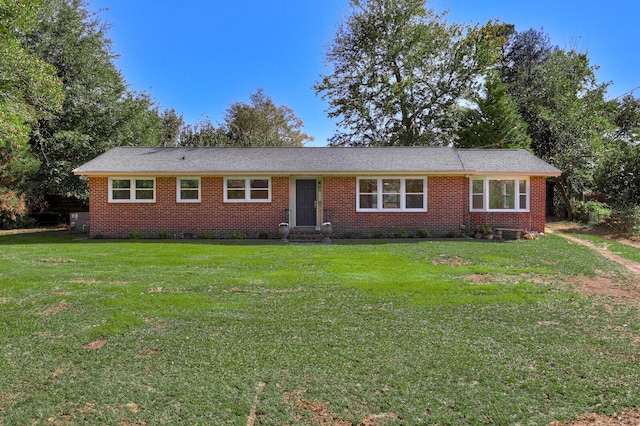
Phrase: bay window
(499, 194)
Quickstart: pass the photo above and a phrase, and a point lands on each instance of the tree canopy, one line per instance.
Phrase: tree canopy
(263, 123)
(29, 91)
(492, 121)
(399, 72)
(99, 111)
(563, 105)
(258, 123)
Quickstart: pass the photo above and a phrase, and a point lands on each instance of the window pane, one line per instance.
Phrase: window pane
(260, 183)
(235, 183)
(391, 201)
(259, 194)
(478, 202)
(144, 194)
(523, 194)
(391, 186)
(523, 201)
(415, 201)
(235, 194)
(121, 183)
(144, 183)
(368, 186)
(368, 201)
(414, 185)
(502, 194)
(121, 194)
(478, 187)
(189, 183)
(188, 194)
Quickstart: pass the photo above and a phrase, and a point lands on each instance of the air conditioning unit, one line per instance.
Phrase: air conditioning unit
(79, 222)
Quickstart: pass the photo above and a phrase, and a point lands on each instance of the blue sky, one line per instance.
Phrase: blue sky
(200, 56)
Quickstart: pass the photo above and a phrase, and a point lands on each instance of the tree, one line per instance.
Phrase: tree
(263, 123)
(618, 175)
(172, 126)
(204, 133)
(563, 105)
(29, 91)
(399, 72)
(99, 111)
(626, 119)
(260, 123)
(524, 53)
(494, 121)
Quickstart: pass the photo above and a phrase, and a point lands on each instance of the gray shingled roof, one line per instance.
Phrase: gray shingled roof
(273, 161)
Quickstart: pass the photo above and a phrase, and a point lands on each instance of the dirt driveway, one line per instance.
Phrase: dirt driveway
(563, 230)
(624, 292)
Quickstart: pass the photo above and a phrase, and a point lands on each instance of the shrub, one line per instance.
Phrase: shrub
(423, 233)
(263, 235)
(204, 235)
(590, 212)
(163, 235)
(400, 233)
(236, 235)
(134, 235)
(377, 234)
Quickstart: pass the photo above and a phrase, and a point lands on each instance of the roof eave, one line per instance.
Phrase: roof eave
(89, 173)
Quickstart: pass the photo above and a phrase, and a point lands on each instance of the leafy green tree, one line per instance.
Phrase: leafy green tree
(563, 105)
(523, 54)
(618, 175)
(626, 119)
(399, 72)
(259, 123)
(99, 112)
(204, 133)
(494, 121)
(29, 91)
(263, 123)
(172, 125)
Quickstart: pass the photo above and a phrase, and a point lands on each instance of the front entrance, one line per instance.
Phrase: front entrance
(306, 202)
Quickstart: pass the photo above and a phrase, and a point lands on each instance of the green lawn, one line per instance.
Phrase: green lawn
(201, 332)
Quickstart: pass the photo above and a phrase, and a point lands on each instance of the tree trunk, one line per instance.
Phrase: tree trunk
(565, 198)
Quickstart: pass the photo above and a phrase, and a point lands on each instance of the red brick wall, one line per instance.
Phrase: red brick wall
(446, 201)
(211, 215)
(447, 210)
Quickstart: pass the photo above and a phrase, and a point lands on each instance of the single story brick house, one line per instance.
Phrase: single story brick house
(220, 191)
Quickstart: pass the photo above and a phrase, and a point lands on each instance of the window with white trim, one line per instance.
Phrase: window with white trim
(391, 194)
(247, 190)
(132, 190)
(499, 194)
(188, 190)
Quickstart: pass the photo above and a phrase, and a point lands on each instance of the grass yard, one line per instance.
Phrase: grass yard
(624, 250)
(193, 332)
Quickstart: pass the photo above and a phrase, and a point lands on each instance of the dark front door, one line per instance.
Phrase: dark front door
(306, 202)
